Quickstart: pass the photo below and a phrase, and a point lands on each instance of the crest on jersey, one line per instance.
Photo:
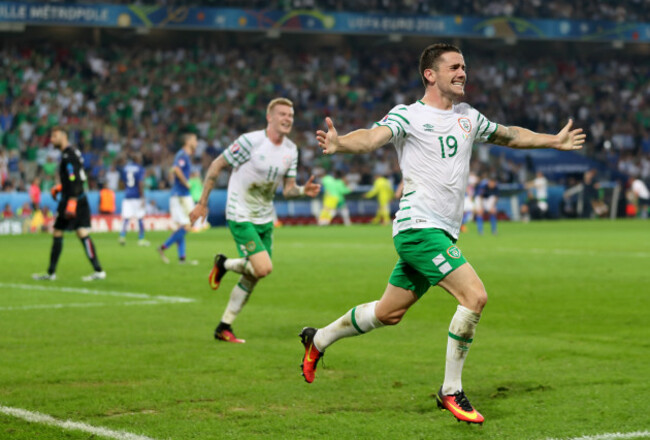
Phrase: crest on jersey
(181, 162)
(453, 252)
(465, 124)
(235, 148)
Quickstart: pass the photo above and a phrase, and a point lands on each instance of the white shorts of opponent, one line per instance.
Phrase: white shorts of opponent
(133, 208)
(490, 203)
(180, 208)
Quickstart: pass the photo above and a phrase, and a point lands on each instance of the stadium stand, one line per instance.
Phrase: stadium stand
(119, 95)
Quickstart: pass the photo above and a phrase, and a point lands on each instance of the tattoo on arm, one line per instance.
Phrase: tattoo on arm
(505, 135)
(209, 184)
(293, 192)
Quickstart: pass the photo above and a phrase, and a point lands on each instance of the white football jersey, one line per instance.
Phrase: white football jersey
(434, 149)
(259, 167)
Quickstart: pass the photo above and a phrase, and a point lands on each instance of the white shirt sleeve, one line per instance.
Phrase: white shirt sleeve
(397, 121)
(484, 128)
(239, 152)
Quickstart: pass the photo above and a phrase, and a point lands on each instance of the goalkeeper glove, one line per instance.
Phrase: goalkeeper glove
(71, 208)
(56, 189)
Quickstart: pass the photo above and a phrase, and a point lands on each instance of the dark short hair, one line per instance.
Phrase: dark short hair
(59, 128)
(431, 56)
(186, 137)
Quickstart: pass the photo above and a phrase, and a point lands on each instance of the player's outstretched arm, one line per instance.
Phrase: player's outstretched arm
(517, 137)
(201, 209)
(290, 189)
(358, 141)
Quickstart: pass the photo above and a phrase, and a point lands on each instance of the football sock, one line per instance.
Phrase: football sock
(140, 229)
(361, 319)
(479, 224)
(89, 247)
(240, 265)
(181, 243)
(493, 223)
(173, 238)
(55, 253)
(466, 217)
(345, 213)
(238, 297)
(125, 223)
(461, 335)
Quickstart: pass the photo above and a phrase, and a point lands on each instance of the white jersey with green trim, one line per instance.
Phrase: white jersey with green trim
(259, 168)
(434, 149)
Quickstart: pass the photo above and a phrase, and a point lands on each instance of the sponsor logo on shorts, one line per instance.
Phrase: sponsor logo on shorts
(250, 246)
(465, 124)
(453, 252)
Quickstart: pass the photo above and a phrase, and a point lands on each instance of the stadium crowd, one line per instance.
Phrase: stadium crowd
(609, 10)
(118, 98)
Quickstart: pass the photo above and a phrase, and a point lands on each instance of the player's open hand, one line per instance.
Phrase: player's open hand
(312, 189)
(328, 141)
(570, 139)
(199, 212)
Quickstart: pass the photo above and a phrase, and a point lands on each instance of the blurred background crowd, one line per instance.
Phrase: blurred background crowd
(124, 96)
(611, 10)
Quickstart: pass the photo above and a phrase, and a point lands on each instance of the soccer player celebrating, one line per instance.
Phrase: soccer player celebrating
(261, 161)
(73, 211)
(180, 200)
(132, 175)
(433, 138)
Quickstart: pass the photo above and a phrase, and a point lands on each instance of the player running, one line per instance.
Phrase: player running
(73, 211)
(433, 138)
(262, 160)
(180, 200)
(133, 204)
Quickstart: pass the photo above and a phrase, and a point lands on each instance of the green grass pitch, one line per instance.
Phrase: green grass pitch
(562, 349)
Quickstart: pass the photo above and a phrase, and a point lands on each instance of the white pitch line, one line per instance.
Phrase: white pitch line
(81, 305)
(36, 417)
(144, 296)
(611, 436)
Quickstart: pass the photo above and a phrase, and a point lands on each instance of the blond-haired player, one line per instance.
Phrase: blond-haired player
(262, 160)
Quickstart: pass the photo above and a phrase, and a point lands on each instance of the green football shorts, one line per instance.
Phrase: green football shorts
(426, 256)
(251, 238)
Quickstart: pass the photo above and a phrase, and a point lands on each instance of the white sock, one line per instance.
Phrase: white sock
(345, 213)
(240, 265)
(461, 335)
(238, 297)
(361, 319)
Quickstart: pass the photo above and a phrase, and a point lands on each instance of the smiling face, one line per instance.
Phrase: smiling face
(280, 119)
(452, 75)
(448, 75)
